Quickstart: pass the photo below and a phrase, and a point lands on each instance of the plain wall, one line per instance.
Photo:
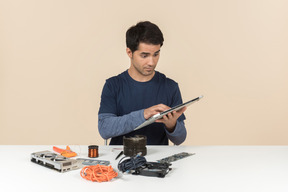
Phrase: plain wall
(56, 55)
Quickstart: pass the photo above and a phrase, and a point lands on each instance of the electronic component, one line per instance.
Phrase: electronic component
(93, 151)
(139, 166)
(175, 157)
(153, 169)
(92, 161)
(134, 145)
(54, 161)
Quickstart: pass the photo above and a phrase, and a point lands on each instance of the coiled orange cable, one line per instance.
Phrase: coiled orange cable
(98, 173)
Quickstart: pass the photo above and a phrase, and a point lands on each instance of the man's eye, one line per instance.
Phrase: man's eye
(155, 55)
(144, 56)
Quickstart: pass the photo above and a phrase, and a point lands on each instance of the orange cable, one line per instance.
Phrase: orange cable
(98, 173)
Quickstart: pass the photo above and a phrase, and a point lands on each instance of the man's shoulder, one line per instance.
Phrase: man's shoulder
(116, 79)
(166, 79)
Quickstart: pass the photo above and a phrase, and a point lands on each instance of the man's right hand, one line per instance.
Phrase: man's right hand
(149, 112)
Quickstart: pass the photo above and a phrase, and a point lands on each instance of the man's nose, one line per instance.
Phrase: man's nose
(151, 61)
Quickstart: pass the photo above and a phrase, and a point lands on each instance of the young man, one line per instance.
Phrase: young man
(140, 92)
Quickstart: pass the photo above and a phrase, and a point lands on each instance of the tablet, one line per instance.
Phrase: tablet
(160, 115)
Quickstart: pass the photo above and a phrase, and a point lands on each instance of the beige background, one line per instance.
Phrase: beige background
(56, 55)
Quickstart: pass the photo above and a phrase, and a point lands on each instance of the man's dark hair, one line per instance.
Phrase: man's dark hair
(143, 32)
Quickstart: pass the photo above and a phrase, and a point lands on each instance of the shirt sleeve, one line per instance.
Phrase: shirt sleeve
(179, 134)
(108, 98)
(110, 125)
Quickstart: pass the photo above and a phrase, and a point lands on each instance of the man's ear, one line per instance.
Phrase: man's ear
(129, 52)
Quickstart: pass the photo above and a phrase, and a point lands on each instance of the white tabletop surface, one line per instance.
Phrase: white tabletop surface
(212, 168)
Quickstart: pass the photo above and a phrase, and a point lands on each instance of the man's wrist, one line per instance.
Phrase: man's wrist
(171, 129)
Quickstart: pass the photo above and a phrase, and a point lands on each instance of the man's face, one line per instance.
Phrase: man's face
(144, 60)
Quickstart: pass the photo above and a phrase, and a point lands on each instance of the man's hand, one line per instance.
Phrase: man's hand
(149, 112)
(169, 120)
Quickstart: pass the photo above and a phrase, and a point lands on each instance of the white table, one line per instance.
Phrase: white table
(213, 168)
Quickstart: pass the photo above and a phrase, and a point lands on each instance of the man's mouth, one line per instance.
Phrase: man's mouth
(148, 68)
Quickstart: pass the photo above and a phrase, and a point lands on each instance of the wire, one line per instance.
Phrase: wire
(98, 173)
(131, 164)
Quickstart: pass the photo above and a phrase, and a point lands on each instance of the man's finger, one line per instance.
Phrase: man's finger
(182, 110)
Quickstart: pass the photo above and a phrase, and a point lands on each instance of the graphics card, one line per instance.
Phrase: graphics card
(55, 161)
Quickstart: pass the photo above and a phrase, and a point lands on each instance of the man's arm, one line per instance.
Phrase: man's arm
(179, 134)
(110, 125)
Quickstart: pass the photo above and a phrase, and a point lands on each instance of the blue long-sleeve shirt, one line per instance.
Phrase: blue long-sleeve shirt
(123, 101)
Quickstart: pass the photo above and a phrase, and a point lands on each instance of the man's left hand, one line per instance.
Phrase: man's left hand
(170, 119)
